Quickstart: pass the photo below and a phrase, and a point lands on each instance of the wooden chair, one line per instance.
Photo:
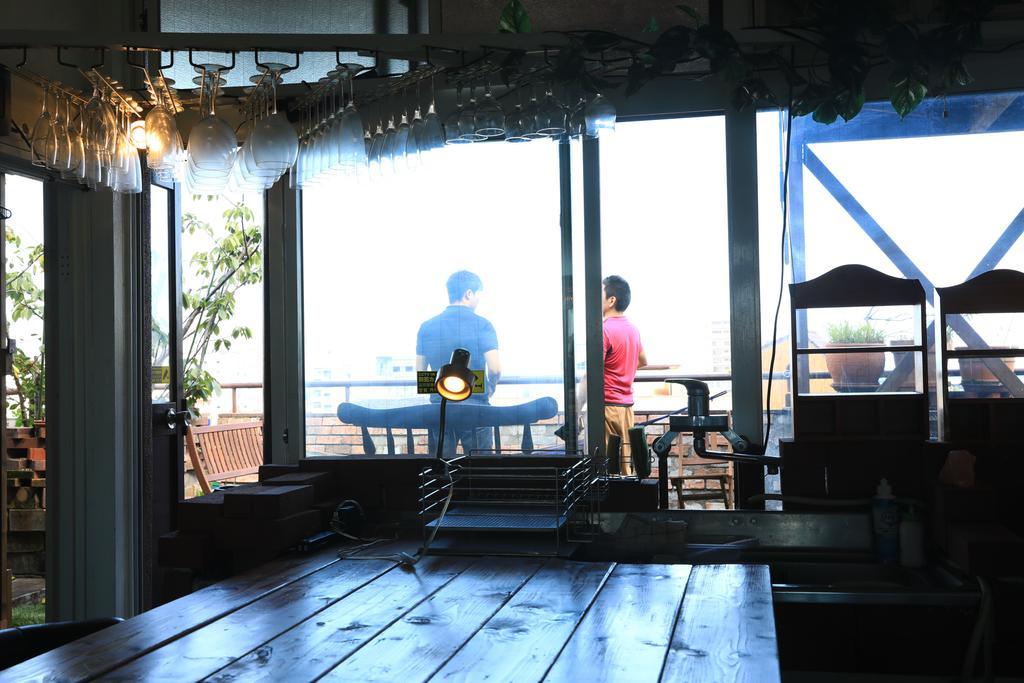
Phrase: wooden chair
(720, 471)
(224, 452)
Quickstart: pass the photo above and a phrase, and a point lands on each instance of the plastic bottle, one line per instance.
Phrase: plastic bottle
(912, 538)
(885, 514)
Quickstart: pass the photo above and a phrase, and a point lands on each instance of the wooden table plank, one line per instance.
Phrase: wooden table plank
(726, 628)
(111, 647)
(424, 639)
(319, 643)
(524, 637)
(626, 632)
(212, 647)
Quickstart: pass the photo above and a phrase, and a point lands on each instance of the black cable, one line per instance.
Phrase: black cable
(782, 269)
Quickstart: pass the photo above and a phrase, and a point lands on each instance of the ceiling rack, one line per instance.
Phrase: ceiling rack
(124, 100)
(32, 77)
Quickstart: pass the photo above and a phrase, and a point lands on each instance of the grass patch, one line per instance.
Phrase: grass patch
(23, 615)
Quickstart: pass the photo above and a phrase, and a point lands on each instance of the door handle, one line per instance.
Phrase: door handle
(9, 349)
(176, 418)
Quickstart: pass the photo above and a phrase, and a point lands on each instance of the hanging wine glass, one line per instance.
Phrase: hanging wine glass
(531, 113)
(452, 134)
(551, 118)
(433, 133)
(599, 116)
(43, 141)
(489, 119)
(577, 120)
(515, 122)
(212, 142)
(467, 119)
(274, 143)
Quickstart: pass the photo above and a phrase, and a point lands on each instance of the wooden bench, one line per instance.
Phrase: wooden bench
(224, 452)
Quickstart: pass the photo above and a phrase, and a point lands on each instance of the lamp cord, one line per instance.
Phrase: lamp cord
(440, 436)
(782, 270)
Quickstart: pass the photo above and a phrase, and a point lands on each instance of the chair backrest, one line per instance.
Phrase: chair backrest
(459, 416)
(225, 451)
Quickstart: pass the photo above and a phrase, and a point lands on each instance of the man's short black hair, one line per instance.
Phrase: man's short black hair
(459, 282)
(619, 288)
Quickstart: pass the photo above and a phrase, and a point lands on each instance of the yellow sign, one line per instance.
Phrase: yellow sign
(161, 374)
(425, 382)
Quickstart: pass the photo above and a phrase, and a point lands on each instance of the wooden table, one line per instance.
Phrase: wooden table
(446, 619)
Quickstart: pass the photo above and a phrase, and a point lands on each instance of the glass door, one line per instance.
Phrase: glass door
(164, 445)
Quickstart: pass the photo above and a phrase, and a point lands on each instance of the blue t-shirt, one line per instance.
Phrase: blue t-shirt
(457, 327)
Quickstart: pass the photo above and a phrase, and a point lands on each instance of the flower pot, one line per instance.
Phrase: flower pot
(979, 381)
(974, 370)
(855, 371)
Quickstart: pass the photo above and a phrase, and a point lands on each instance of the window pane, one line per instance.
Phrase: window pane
(25, 401)
(26, 386)
(664, 229)
(159, 296)
(933, 197)
(222, 317)
(377, 257)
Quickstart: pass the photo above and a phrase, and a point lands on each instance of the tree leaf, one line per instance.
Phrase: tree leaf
(957, 74)
(850, 102)
(692, 13)
(826, 112)
(514, 18)
(651, 26)
(906, 92)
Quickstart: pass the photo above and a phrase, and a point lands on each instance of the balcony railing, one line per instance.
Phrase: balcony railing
(377, 383)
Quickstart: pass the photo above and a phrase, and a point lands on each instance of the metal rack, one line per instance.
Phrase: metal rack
(514, 494)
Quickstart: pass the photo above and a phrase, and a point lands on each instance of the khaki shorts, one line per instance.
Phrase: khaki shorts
(618, 420)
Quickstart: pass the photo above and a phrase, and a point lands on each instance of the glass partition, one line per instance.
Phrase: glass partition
(664, 230)
(222, 301)
(931, 197)
(399, 270)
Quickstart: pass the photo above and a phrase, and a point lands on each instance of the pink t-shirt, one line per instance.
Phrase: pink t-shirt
(622, 349)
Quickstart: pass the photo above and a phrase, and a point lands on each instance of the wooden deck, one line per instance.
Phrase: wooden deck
(446, 619)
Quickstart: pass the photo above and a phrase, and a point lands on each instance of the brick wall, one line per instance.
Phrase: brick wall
(327, 435)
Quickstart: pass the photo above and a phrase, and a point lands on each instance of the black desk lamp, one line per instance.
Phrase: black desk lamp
(454, 383)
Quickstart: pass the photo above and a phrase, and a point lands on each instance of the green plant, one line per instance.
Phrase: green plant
(25, 298)
(234, 261)
(845, 333)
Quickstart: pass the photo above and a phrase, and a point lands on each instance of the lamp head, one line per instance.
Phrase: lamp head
(455, 380)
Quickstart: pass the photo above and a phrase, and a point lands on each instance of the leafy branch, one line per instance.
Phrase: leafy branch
(234, 261)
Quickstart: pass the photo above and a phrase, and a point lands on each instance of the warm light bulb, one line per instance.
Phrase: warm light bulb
(137, 132)
(455, 385)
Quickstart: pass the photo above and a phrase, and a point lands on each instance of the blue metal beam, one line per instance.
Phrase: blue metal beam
(1000, 247)
(954, 115)
(866, 222)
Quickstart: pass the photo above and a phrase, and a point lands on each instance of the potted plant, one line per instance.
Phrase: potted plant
(855, 371)
(978, 381)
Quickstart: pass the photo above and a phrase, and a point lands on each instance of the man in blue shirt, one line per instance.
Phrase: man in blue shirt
(459, 327)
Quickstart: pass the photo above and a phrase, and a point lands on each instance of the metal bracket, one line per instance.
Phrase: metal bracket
(103, 59)
(267, 68)
(201, 67)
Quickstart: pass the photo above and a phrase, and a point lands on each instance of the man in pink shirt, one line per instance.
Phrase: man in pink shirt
(623, 354)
